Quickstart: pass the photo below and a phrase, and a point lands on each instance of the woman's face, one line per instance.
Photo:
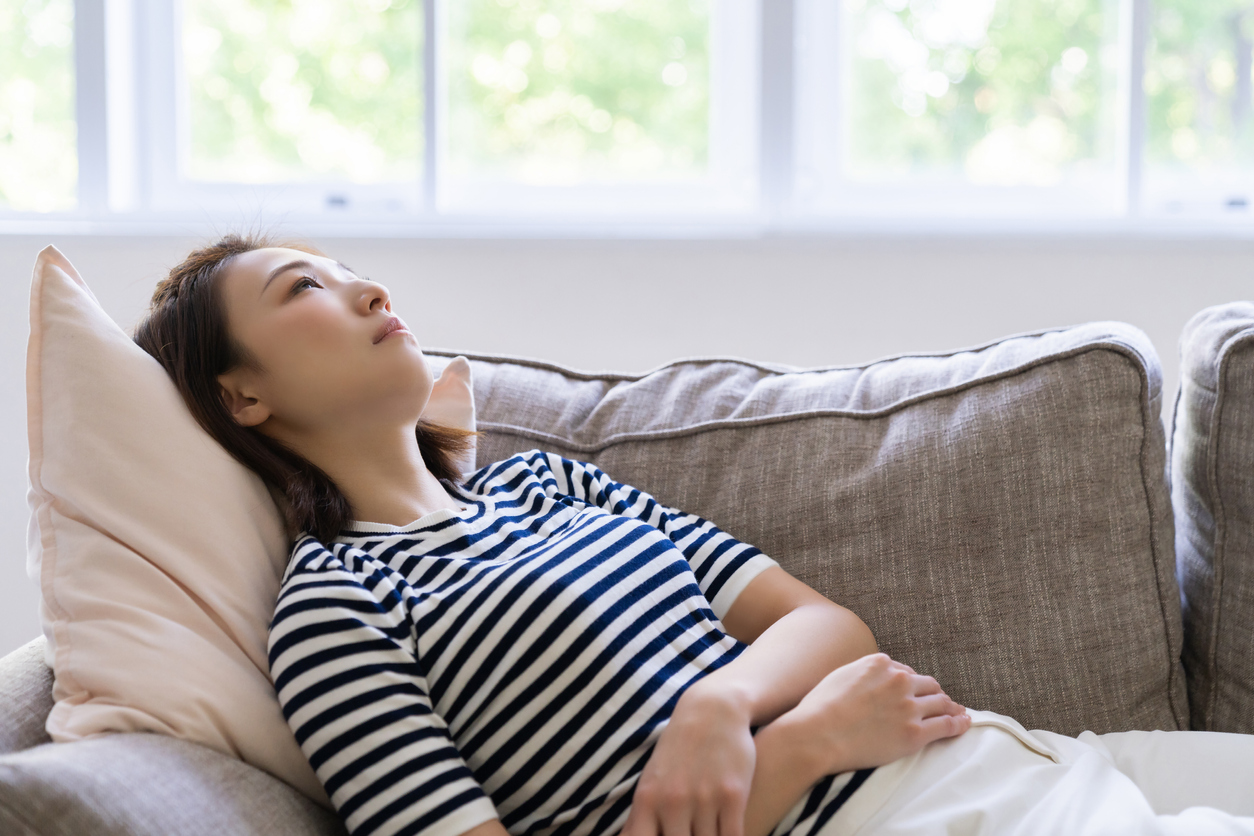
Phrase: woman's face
(330, 354)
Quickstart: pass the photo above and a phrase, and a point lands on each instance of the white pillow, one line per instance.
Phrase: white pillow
(158, 556)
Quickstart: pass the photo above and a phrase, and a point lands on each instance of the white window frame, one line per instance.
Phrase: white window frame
(729, 188)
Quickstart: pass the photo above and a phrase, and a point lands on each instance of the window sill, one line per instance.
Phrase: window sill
(1237, 225)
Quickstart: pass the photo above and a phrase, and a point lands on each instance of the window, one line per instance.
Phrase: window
(756, 112)
(1199, 114)
(38, 162)
(961, 106)
(563, 93)
(599, 105)
(316, 90)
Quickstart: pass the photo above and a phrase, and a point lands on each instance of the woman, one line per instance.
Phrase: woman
(542, 648)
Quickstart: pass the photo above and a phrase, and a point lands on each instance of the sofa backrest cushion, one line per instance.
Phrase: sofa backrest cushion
(998, 516)
(1212, 456)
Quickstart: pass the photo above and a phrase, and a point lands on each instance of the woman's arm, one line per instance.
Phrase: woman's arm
(867, 713)
(343, 663)
(796, 637)
(839, 707)
(700, 775)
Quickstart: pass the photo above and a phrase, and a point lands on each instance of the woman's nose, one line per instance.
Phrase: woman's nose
(373, 297)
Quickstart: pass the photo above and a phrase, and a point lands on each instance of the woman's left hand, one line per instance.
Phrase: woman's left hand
(696, 782)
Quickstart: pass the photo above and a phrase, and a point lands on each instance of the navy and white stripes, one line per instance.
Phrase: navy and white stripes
(517, 659)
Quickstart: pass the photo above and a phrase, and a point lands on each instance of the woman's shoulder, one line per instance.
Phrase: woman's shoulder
(309, 554)
(535, 461)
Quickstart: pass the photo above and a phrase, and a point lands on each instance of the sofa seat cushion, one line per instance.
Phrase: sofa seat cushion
(998, 516)
(1212, 455)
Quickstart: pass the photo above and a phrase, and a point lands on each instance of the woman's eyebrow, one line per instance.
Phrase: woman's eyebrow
(280, 270)
(300, 264)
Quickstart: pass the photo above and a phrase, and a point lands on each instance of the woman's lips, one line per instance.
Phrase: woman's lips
(392, 325)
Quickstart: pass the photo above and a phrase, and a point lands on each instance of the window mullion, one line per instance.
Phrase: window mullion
(432, 44)
(1134, 135)
(89, 106)
(775, 113)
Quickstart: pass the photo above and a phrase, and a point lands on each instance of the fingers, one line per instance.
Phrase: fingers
(934, 705)
(731, 820)
(924, 685)
(705, 821)
(642, 820)
(676, 821)
(944, 725)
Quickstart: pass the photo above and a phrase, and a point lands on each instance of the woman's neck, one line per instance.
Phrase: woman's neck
(382, 474)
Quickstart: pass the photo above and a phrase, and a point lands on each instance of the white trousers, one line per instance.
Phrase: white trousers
(999, 778)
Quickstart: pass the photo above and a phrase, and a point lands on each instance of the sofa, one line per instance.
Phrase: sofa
(1001, 516)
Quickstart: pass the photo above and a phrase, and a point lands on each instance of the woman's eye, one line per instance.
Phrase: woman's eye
(301, 284)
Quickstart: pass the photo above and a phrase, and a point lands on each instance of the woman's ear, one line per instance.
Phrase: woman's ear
(236, 395)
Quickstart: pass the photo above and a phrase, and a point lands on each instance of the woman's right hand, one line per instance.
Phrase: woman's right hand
(871, 712)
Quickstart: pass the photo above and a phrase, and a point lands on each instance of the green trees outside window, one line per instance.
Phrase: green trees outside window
(566, 91)
(38, 161)
(299, 90)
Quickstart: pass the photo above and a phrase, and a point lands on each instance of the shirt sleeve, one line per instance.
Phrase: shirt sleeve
(724, 566)
(343, 664)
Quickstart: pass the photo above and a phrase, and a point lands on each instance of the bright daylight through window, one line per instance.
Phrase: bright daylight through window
(319, 89)
(566, 92)
(1199, 105)
(1009, 93)
(417, 111)
(38, 165)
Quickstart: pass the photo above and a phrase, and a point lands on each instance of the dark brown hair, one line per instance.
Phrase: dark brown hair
(186, 331)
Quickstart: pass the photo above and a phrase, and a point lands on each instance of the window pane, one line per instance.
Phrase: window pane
(315, 90)
(566, 91)
(38, 156)
(998, 92)
(1198, 85)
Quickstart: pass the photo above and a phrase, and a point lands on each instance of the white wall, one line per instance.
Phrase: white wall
(631, 305)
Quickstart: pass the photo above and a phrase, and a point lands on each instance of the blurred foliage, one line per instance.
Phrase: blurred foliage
(291, 90)
(1198, 83)
(559, 91)
(995, 91)
(38, 150)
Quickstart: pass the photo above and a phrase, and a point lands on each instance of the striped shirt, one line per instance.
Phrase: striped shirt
(515, 659)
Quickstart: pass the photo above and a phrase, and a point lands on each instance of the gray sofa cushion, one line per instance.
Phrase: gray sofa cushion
(25, 697)
(1212, 455)
(148, 785)
(137, 784)
(998, 516)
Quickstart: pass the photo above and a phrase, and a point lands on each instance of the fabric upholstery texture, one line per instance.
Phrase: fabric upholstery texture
(158, 556)
(25, 698)
(1212, 458)
(139, 784)
(999, 516)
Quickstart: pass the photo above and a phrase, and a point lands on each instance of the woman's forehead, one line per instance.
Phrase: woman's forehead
(259, 264)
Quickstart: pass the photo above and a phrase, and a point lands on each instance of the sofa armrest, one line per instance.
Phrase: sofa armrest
(142, 784)
(1212, 456)
(131, 783)
(25, 698)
